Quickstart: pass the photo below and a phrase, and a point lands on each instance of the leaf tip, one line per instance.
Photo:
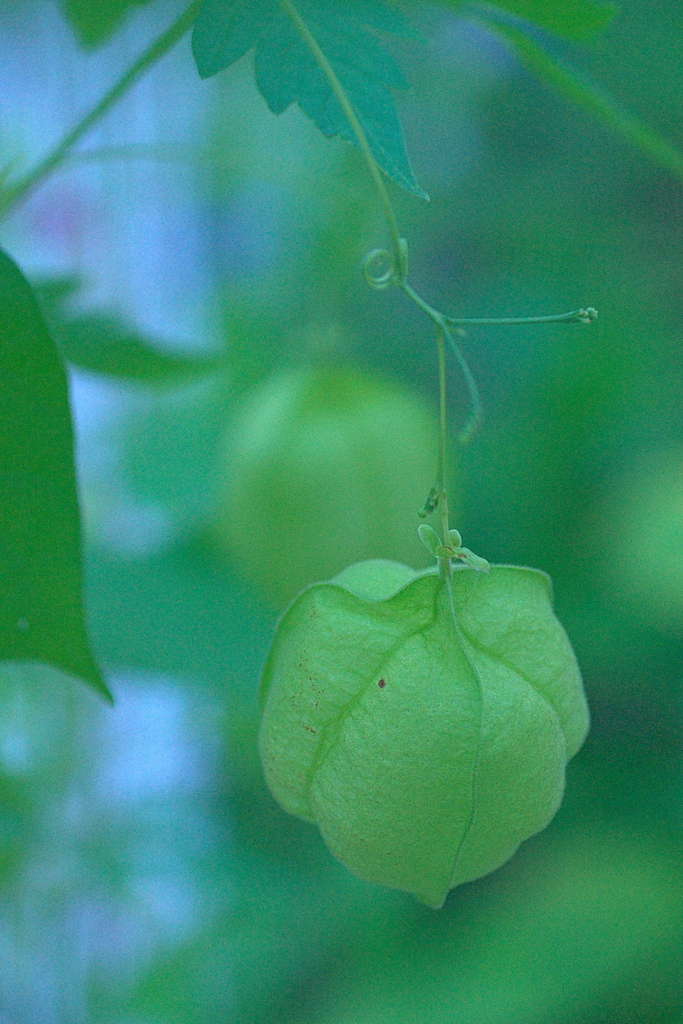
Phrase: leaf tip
(92, 677)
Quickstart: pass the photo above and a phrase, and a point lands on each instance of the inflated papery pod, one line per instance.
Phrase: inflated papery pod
(425, 733)
(321, 464)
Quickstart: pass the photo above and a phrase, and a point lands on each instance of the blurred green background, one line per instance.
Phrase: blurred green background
(146, 875)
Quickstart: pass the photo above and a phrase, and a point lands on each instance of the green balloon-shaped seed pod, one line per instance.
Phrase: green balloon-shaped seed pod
(426, 735)
(321, 464)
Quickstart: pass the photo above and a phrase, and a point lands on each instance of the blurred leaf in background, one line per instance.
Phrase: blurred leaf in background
(94, 21)
(572, 19)
(644, 518)
(101, 343)
(578, 88)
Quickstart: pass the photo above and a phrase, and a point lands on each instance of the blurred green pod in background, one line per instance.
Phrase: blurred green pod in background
(324, 467)
(643, 539)
(426, 732)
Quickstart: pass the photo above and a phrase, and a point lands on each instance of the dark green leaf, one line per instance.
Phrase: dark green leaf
(94, 21)
(578, 88)
(41, 609)
(572, 19)
(286, 70)
(225, 31)
(101, 343)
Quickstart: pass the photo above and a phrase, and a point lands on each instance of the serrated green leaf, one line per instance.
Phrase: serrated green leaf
(100, 343)
(41, 606)
(579, 88)
(94, 21)
(572, 19)
(227, 29)
(426, 735)
(287, 72)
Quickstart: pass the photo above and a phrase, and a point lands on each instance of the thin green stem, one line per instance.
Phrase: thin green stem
(382, 269)
(434, 315)
(171, 153)
(441, 459)
(18, 192)
(397, 246)
(442, 325)
(476, 410)
(395, 270)
(577, 316)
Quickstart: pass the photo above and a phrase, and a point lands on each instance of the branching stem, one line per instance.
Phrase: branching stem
(382, 269)
(442, 323)
(577, 316)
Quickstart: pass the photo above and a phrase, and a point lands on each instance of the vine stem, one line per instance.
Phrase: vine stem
(576, 316)
(442, 323)
(397, 244)
(17, 193)
(441, 458)
(396, 274)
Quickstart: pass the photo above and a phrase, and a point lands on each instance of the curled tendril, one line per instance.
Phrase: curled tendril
(382, 269)
(378, 269)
